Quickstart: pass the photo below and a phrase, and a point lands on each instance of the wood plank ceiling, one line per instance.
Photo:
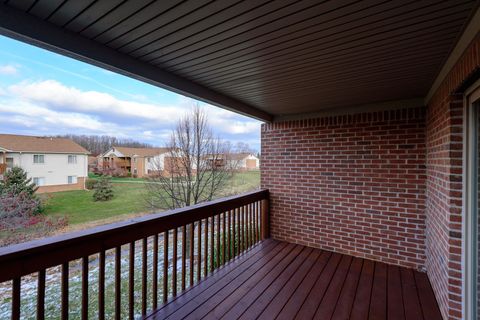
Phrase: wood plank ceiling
(279, 57)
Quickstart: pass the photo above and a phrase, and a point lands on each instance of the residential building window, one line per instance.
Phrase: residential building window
(72, 159)
(72, 179)
(38, 158)
(39, 181)
(149, 159)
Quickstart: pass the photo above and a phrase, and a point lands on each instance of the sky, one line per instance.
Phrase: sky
(44, 93)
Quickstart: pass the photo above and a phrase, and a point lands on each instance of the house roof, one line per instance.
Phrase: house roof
(142, 152)
(259, 58)
(18, 143)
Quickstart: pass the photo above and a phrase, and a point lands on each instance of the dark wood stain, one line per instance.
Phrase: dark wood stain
(277, 280)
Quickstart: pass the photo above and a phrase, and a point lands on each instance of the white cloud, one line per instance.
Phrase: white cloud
(52, 108)
(55, 95)
(8, 70)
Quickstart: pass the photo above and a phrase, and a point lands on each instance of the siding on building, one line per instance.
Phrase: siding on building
(55, 169)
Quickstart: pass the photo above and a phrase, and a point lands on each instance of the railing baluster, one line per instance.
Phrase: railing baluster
(248, 227)
(41, 295)
(224, 234)
(260, 220)
(64, 290)
(242, 213)
(217, 260)
(212, 242)
(85, 288)
(16, 287)
(118, 279)
(131, 280)
(264, 219)
(252, 222)
(184, 254)
(165, 269)
(174, 262)
(234, 232)
(192, 252)
(144, 276)
(229, 234)
(199, 251)
(257, 237)
(240, 239)
(155, 271)
(205, 250)
(101, 286)
(252, 226)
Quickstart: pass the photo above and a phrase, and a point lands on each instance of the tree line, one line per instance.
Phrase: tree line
(100, 144)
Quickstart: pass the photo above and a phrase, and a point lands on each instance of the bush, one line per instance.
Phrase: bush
(103, 189)
(120, 173)
(90, 184)
(114, 172)
(16, 209)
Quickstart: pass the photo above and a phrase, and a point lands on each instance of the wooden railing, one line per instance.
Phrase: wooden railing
(178, 248)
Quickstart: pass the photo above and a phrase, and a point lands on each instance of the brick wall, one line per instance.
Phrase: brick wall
(80, 185)
(351, 184)
(444, 183)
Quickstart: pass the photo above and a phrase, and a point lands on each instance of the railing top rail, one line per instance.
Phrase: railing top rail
(25, 258)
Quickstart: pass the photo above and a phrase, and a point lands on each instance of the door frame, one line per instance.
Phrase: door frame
(470, 203)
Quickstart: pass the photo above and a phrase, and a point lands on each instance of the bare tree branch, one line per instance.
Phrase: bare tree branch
(198, 167)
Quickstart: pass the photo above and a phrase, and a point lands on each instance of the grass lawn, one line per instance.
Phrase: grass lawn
(242, 182)
(79, 207)
(94, 176)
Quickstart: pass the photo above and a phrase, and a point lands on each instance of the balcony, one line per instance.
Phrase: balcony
(212, 260)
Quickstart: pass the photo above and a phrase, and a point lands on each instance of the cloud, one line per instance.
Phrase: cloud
(8, 70)
(52, 106)
(54, 95)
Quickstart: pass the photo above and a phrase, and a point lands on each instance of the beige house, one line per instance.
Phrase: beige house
(245, 161)
(237, 161)
(54, 164)
(140, 162)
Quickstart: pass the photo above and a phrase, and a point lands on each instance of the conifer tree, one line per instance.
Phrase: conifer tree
(16, 181)
(103, 189)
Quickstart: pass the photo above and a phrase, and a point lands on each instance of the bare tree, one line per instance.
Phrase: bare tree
(196, 168)
(243, 147)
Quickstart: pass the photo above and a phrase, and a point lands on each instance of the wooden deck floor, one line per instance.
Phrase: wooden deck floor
(278, 280)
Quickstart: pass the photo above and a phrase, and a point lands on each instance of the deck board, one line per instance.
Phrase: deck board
(278, 280)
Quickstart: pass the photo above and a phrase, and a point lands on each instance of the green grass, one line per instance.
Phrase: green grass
(242, 182)
(79, 206)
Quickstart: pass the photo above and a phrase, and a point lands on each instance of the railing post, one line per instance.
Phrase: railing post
(265, 218)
